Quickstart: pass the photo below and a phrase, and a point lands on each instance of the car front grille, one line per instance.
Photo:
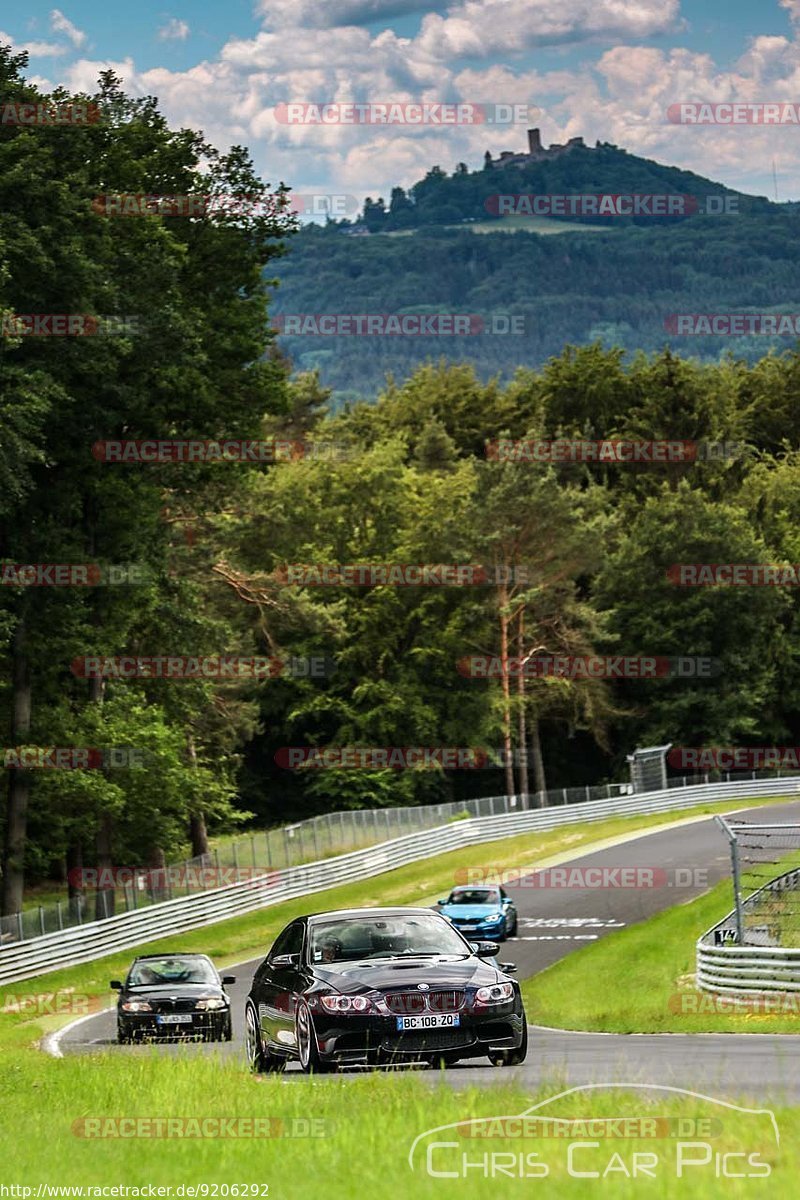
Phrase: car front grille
(172, 1006)
(414, 1003)
(428, 1039)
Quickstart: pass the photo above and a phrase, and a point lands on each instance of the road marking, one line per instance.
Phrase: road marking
(50, 1043)
(568, 922)
(561, 937)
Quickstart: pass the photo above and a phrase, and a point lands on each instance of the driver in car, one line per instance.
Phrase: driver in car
(331, 949)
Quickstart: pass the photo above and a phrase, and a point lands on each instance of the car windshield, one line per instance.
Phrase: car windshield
(474, 896)
(185, 969)
(352, 938)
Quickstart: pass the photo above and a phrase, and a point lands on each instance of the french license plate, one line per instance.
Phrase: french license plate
(434, 1021)
(467, 928)
(175, 1019)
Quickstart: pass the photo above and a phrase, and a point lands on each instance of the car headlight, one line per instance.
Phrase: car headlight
(347, 1004)
(496, 993)
(493, 918)
(137, 1006)
(212, 1002)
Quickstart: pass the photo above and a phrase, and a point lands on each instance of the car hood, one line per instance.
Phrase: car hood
(403, 974)
(189, 991)
(469, 912)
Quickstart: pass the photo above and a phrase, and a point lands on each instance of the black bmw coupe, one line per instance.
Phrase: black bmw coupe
(377, 986)
(173, 995)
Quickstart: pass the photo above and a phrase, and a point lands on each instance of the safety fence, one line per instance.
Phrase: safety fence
(96, 939)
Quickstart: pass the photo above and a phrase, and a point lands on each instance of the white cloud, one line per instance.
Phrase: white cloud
(35, 49)
(484, 27)
(793, 7)
(60, 24)
(311, 14)
(174, 30)
(621, 95)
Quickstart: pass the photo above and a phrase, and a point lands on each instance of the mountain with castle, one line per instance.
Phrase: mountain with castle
(536, 152)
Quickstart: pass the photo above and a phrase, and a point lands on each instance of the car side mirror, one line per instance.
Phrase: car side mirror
(115, 985)
(285, 960)
(507, 967)
(229, 979)
(440, 903)
(486, 949)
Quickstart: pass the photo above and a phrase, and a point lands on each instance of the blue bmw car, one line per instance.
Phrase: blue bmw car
(481, 912)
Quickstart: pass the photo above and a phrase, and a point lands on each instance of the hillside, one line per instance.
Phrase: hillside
(613, 279)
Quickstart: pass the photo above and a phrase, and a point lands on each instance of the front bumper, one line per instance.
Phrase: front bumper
(145, 1026)
(372, 1039)
(487, 933)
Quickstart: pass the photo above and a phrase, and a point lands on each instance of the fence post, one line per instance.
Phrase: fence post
(41, 920)
(20, 927)
(60, 918)
(314, 833)
(737, 892)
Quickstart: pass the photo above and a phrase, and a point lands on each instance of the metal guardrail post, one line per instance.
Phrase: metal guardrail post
(737, 891)
(41, 920)
(20, 927)
(60, 917)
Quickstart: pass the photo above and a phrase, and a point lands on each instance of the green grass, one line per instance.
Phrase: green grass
(545, 226)
(647, 970)
(365, 1127)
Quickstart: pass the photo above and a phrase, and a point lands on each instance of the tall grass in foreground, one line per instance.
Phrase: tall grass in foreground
(365, 1127)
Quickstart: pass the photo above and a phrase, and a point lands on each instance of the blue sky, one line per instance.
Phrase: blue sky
(603, 69)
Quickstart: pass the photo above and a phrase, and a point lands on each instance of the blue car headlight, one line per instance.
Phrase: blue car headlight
(492, 919)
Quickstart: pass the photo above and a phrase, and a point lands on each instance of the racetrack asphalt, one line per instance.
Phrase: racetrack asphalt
(557, 916)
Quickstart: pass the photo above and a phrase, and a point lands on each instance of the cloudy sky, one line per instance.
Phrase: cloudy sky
(606, 69)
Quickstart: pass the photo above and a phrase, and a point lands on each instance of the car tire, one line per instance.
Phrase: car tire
(227, 1030)
(306, 1042)
(123, 1039)
(512, 1058)
(259, 1060)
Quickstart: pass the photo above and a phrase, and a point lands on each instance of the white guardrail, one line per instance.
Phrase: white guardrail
(84, 943)
(733, 969)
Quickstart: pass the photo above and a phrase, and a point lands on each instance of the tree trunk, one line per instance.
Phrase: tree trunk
(197, 819)
(105, 897)
(157, 862)
(524, 786)
(502, 599)
(19, 780)
(539, 779)
(75, 890)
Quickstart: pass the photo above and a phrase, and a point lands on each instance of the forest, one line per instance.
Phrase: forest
(116, 559)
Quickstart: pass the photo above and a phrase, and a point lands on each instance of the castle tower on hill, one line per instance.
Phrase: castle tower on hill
(534, 141)
(536, 151)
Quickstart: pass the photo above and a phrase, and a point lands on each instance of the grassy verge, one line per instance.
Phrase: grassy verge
(249, 936)
(364, 1129)
(648, 981)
